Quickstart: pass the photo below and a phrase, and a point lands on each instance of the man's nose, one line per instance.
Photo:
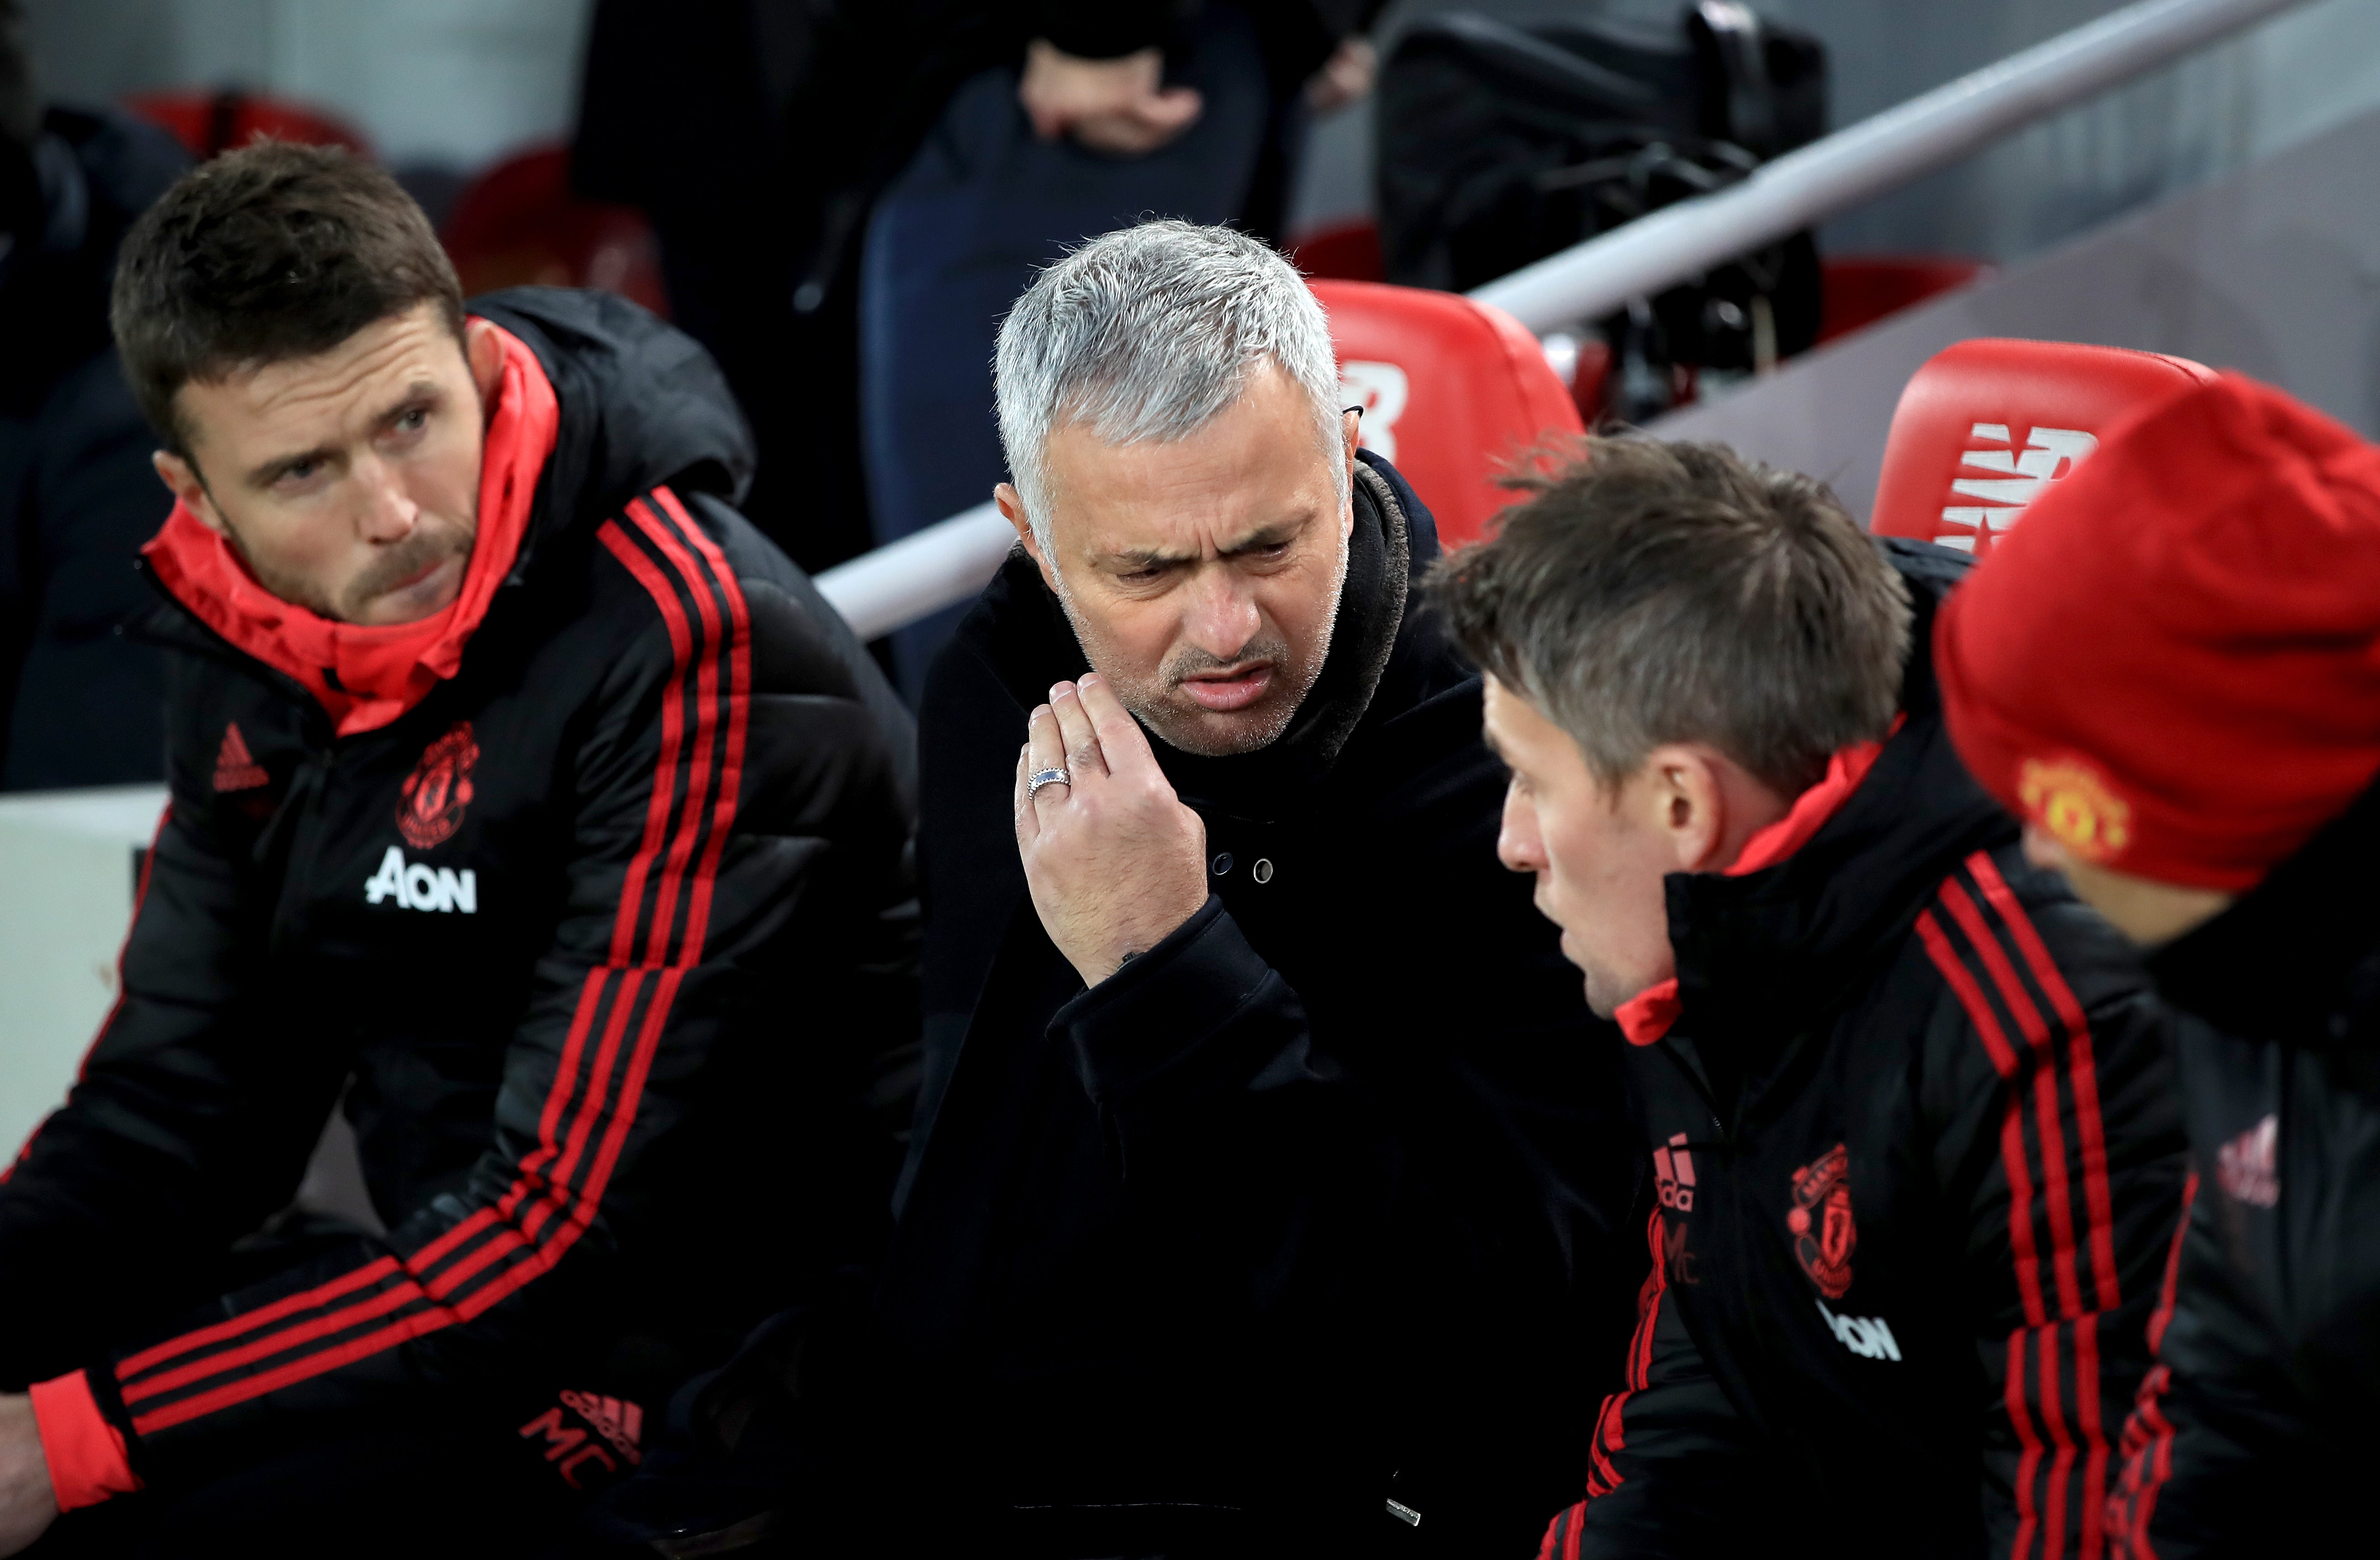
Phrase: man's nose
(1517, 845)
(1222, 616)
(389, 513)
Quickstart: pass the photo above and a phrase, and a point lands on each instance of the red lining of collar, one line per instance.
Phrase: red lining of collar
(365, 678)
(1646, 1017)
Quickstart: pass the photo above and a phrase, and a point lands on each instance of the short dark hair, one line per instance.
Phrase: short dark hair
(268, 253)
(1651, 593)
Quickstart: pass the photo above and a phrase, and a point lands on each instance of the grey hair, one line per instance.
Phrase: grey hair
(1148, 333)
(1659, 592)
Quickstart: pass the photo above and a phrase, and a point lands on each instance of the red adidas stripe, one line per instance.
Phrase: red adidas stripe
(2082, 1068)
(2026, 1261)
(2046, 1115)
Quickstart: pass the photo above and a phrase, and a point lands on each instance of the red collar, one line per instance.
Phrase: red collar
(1646, 1017)
(367, 677)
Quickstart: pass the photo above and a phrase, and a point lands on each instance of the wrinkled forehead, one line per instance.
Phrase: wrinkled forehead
(341, 390)
(1261, 462)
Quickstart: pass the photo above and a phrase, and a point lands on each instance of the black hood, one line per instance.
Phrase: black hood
(1380, 637)
(2295, 957)
(642, 406)
(1760, 954)
(64, 203)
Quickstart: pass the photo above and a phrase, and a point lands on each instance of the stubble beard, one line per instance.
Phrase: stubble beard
(1152, 699)
(430, 544)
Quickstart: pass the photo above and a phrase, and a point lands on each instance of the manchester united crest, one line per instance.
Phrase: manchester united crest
(1824, 1236)
(2074, 803)
(436, 794)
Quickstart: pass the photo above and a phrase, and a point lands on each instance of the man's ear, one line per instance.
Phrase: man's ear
(1688, 805)
(1010, 503)
(181, 479)
(484, 350)
(1350, 429)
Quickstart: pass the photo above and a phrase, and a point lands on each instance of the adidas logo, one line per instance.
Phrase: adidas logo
(1673, 1173)
(623, 1424)
(2248, 1167)
(235, 770)
(420, 886)
(2048, 453)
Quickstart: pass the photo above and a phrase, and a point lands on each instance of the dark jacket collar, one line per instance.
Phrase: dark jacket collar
(1763, 953)
(2294, 957)
(1381, 641)
(643, 406)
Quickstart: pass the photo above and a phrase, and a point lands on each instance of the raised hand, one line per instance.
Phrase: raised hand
(1113, 859)
(1118, 106)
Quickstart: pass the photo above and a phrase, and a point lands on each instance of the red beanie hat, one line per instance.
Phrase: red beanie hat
(2173, 664)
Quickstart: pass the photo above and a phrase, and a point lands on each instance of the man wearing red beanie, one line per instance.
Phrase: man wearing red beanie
(2171, 672)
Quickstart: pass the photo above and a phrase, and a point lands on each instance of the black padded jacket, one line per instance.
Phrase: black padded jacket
(2254, 1431)
(1301, 1233)
(1918, 1163)
(597, 938)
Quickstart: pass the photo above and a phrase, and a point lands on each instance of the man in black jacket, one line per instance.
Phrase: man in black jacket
(80, 704)
(521, 790)
(2167, 674)
(1906, 1101)
(1300, 1230)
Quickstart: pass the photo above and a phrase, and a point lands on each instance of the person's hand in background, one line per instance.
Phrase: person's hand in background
(1119, 107)
(1346, 78)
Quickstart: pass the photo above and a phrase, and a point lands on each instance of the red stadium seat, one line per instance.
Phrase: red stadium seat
(1862, 288)
(1347, 251)
(1986, 425)
(1452, 392)
(518, 223)
(209, 123)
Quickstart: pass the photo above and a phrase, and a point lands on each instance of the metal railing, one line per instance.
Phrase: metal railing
(946, 563)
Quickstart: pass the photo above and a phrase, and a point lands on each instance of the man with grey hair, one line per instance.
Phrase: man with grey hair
(1272, 1191)
(1906, 1101)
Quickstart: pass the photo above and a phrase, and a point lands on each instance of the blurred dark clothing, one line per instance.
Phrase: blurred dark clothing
(956, 238)
(80, 705)
(757, 135)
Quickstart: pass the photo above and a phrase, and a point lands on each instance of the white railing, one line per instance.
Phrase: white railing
(945, 564)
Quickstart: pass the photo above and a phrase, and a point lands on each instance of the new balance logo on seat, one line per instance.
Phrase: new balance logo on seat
(1866, 1336)
(234, 769)
(421, 887)
(1381, 390)
(2048, 453)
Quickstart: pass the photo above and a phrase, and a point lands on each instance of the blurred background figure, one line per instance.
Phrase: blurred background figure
(849, 196)
(80, 705)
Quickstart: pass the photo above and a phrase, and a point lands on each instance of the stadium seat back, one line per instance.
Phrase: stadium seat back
(212, 123)
(518, 223)
(1988, 424)
(1452, 391)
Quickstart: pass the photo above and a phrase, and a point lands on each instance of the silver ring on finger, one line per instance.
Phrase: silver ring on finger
(1041, 777)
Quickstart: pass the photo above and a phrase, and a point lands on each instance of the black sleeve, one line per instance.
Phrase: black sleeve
(672, 923)
(1671, 1466)
(189, 1123)
(2223, 1453)
(2050, 1073)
